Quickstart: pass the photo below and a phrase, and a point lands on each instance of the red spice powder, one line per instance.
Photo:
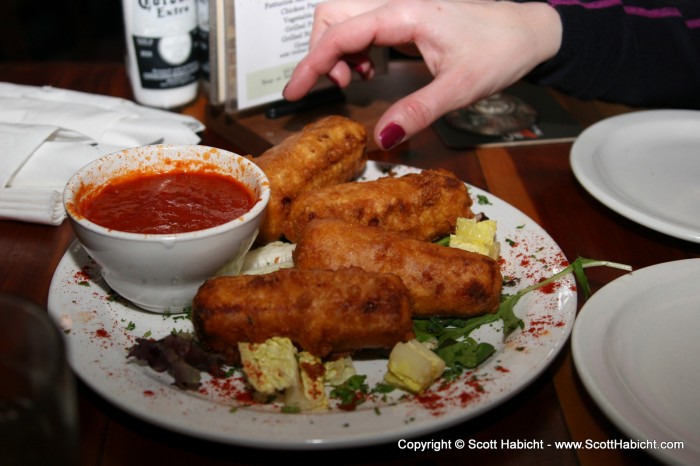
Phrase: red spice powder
(538, 328)
(467, 397)
(229, 388)
(102, 333)
(431, 401)
(244, 397)
(81, 276)
(148, 393)
(549, 288)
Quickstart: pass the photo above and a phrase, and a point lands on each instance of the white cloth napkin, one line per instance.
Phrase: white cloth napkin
(47, 134)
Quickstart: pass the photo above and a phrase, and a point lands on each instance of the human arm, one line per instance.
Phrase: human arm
(615, 50)
(627, 51)
(472, 47)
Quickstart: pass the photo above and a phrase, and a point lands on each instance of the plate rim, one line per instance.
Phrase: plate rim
(567, 310)
(586, 353)
(581, 164)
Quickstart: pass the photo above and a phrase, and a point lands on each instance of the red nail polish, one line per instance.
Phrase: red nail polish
(365, 69)
(391, 135)
(333, 80)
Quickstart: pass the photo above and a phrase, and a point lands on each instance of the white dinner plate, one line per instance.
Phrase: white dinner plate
(636, 349)
(99, 330)
(646, 166)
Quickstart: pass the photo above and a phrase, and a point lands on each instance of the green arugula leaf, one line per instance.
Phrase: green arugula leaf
(460, 351)
(467, 353)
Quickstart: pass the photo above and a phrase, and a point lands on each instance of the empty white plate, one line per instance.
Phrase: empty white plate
(646, 166)
(635, 345)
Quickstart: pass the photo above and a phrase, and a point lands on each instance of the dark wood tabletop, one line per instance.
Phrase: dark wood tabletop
(537, 179)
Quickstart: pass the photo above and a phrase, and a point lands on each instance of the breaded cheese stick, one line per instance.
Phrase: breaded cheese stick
(424, 205)
(329, 151)
(321, 311)
(442, 281)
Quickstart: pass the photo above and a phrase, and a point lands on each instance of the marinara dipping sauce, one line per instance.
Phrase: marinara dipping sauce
(166, 203)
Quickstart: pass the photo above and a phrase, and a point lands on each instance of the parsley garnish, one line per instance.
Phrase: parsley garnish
(351, 393)
(482, 200)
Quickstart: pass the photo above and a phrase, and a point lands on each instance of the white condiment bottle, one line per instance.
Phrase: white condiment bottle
(203, 42)
(162, 62)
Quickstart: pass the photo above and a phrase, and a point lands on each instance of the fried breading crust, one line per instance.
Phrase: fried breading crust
(423, 206)
(321, 311)
(329, 151)
(442, 281)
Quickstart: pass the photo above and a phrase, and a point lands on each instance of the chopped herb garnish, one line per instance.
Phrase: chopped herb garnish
(482, 200)
(130, 326)
(383, 388)
(351, 393)
(510, 281)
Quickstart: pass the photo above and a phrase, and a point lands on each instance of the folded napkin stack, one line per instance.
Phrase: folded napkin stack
(47, 134)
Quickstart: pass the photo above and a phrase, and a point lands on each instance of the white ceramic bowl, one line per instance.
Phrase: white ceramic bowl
(162, 272)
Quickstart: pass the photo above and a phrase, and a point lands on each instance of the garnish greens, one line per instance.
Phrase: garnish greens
(460, 351)
(482, 200)
(355, 391)
(351, 393)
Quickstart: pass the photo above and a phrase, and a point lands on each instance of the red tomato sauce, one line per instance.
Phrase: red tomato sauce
(167, 203)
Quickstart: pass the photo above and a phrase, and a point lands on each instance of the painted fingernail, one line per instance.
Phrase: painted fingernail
(391, 135)
(369, 74)
(365, 69)
(333, 80)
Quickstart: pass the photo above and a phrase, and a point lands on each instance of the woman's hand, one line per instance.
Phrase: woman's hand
(473, 48)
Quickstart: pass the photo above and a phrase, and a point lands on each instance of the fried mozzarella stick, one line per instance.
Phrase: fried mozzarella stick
(330, 151)
(321, 311)
(422, 205)
(442, 281)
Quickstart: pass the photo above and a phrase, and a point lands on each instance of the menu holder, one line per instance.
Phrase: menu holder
(255, 46)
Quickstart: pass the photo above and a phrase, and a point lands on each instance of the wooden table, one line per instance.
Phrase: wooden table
(536, 179)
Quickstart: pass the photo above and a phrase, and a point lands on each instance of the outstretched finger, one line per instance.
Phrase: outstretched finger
(330, 52)
(415, 112)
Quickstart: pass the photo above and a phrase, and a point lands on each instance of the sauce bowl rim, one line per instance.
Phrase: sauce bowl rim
(74, 183)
